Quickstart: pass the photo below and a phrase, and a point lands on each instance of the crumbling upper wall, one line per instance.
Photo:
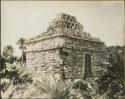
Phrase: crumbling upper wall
(66, 22)
(65, 25)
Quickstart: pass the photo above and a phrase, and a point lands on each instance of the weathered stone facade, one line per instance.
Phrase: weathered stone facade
(66, 49)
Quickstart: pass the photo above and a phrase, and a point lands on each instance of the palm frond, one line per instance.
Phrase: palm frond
(49, 87)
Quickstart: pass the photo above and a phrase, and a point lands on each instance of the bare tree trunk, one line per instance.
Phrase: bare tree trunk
(22, 56)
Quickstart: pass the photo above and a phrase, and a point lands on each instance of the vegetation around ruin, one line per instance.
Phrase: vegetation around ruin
(18, 82)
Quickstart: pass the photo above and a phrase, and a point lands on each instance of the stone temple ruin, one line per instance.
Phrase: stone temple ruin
(65, 49)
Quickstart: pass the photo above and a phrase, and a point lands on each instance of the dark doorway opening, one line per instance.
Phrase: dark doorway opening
(88, 67)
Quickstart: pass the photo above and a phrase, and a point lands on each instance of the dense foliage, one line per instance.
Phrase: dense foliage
(17, 81)
(112, 82)
(14, 76)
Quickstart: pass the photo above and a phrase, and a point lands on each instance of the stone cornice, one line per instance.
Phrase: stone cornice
(65, 47)
(62, 35)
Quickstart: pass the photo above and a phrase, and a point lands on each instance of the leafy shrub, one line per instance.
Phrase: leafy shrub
(84, 89)
(14, 80)
(47, 87)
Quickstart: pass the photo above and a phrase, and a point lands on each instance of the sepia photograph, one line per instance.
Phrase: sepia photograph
(62, 50)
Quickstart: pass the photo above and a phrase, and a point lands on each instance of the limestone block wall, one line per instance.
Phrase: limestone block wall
(77, 43)
(45, 44)
(74, 62)
(44, 61)
(63, 54)
(97, 65)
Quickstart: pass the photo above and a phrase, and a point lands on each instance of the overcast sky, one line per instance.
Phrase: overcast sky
(26, 19)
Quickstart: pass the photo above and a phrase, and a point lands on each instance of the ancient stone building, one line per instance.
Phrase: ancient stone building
(65, 49)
